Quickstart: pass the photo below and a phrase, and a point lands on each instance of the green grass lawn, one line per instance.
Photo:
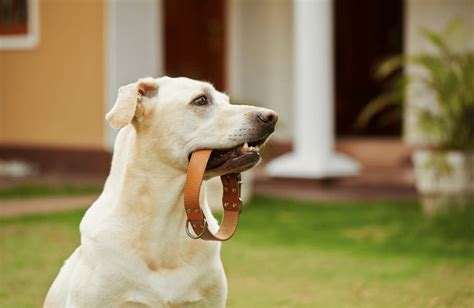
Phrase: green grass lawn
(290, 254)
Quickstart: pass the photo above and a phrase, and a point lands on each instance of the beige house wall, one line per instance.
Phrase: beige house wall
(53, 95)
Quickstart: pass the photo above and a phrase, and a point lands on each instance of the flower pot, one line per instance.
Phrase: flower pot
(444, 172)
(445, 179)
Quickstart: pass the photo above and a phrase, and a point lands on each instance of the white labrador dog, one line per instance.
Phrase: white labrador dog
(134, 250)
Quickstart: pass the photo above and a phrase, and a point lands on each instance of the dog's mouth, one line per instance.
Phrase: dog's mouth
(236, 159)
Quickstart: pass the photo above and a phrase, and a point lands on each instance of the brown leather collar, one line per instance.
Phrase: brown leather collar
(230, 200)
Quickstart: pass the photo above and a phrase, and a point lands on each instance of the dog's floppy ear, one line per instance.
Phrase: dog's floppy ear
(129, 102)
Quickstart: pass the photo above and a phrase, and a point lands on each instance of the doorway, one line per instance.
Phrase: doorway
(195, 42)
(366, 31)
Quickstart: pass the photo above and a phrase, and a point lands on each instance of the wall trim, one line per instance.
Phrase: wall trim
(88, 161)
(133, 48)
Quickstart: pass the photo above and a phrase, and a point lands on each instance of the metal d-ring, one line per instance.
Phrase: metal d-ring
(200, 234)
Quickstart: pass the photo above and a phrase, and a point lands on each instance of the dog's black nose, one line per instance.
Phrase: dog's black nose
(267, 118)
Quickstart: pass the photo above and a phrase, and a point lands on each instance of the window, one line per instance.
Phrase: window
(19, 24)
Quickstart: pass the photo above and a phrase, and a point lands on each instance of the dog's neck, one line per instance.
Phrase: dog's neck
(149, 188)
(148, 197)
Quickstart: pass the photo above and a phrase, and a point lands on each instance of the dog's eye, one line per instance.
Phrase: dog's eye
(200, 101)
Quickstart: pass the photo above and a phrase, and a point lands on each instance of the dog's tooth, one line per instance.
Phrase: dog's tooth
(245, 147)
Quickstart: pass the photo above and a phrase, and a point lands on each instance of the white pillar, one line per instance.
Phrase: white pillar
(133, 48)
(313, 155)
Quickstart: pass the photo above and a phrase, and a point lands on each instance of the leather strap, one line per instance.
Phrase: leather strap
(230, 200)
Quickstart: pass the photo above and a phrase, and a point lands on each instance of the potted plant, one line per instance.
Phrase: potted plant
(444, 162)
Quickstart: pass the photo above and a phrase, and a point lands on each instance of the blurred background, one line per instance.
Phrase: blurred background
(365, 194)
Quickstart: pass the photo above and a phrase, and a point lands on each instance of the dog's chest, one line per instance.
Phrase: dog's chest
(181, 273)
(168, 287)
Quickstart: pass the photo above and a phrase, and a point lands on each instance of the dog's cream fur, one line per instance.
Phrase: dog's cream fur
(134, 251)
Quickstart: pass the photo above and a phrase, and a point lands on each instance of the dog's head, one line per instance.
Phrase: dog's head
(176, 116)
